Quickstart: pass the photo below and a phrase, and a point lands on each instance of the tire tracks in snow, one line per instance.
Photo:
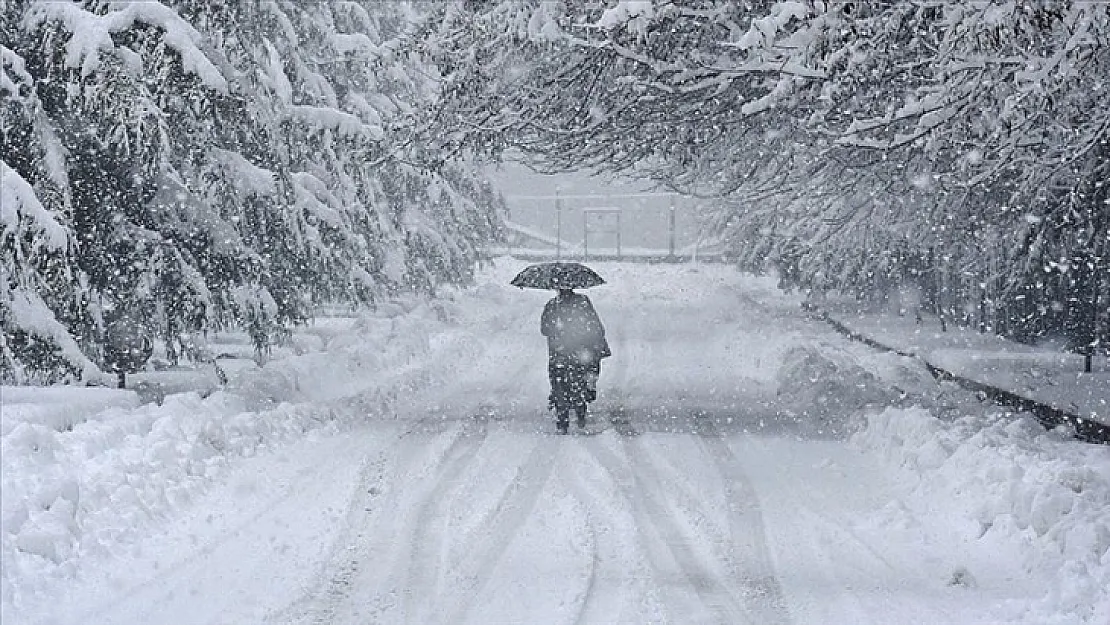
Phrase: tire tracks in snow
(429, 539)
(417, 587)
(661, 537)
(590, 593)
(426, 540)
(168, 581)
(377, 555)
(747, 555)
(407, 536)
(606, 594)
(740, 586)
(512, 510)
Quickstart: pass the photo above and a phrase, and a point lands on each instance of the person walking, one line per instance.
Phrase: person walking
(576, 345)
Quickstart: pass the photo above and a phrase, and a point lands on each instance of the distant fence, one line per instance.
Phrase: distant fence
(626, 256)
(535, 244)
(607, 224)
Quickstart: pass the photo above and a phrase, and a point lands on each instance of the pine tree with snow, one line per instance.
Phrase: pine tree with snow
(216, 165)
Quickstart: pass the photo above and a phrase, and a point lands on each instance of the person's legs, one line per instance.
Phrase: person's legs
(562, 420)
(593, 372)
(572, 385)
(558, 373)
(578, 388)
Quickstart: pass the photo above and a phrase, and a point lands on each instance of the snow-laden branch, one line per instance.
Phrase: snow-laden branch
(21, 211)
(345, 124)
(90, 34)
(30, 314)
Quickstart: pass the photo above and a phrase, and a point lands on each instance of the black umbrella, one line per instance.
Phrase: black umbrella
(557, 275)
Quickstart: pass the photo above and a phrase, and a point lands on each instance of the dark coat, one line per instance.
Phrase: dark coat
(573, 328)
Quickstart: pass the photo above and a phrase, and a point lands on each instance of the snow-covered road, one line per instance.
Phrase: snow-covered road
(718, 482)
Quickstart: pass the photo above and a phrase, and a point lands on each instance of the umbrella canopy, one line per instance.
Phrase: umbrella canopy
(557, 275)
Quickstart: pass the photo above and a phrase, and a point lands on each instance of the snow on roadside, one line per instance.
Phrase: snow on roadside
(87, 483)
(91, 479)
(58, 408)
(1007, 485)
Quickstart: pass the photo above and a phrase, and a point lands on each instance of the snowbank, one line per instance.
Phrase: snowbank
(813, 383)
(1017, 489)
(88, 471)
(1043, 374)
(827, 389)
(58, 408)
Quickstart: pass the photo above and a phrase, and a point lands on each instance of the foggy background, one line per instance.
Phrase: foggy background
(644, 212)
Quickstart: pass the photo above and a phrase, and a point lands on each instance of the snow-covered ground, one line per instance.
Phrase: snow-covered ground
(1044, 373)
(743, 465)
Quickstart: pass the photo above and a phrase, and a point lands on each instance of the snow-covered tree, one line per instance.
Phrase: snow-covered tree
(40, 296)
(221, 163)
(959, 144)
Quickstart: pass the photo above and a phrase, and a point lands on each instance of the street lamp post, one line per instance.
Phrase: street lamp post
(558, 226)
(671, 238)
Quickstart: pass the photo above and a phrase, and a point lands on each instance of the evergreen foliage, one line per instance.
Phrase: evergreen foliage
(196, 165)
